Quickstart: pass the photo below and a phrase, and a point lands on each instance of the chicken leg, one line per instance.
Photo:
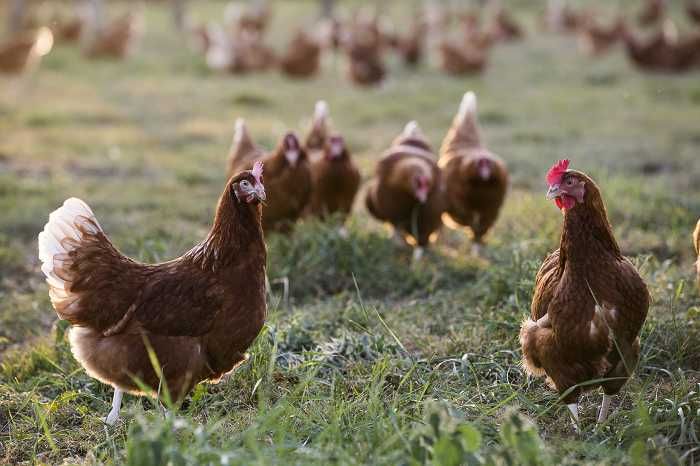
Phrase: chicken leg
(573, 407)
(604, 408)
(113, 415)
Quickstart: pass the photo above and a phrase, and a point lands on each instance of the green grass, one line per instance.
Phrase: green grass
(368, 359)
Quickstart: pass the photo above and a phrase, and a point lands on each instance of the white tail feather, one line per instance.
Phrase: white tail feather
(467, 108)
(321, 111)
(64, 224)
(412, 130)
(239, 131)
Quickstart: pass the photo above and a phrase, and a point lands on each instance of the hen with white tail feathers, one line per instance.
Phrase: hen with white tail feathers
(198, 313)
(476, 180)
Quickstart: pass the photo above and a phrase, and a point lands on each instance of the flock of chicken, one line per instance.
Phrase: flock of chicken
(199, 313)
(238, 44)
(663, 49)
(413, 189)
(112, 40)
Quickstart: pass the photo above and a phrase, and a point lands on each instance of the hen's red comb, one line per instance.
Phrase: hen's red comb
(557, 171)
(257, 171)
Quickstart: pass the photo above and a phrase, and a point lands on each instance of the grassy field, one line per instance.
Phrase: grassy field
(370, 359)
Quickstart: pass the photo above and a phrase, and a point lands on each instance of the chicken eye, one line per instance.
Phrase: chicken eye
(569, 182)
(245, 184)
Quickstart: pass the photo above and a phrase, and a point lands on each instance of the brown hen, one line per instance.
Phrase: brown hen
(23, 52)
(595, 39)
(287, 178)
(476, 180)
(407, 190)
(589, 303)
(302, 57)
(115, 40)
(198, 313)
(335, 177)
(462, 58)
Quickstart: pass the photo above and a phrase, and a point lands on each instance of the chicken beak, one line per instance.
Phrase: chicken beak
(260, 192)
(553, 192)
(485, 172)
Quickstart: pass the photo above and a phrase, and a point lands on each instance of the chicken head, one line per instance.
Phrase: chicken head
(566, 188)
(248, 186)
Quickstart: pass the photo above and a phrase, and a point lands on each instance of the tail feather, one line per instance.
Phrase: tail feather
(467, 108)
(321, 112)
(413, 131)
(61, 235)
(464, 132)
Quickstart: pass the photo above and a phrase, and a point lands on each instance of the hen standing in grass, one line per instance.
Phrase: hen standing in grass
(199, 313)
(287, 174)
(407, 190)
(335, 177)
(476, 180)
(589, 303)
(24, 51)
(113, 40)
(303, 56)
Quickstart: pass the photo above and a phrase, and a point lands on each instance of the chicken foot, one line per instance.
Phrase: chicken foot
(113, 415)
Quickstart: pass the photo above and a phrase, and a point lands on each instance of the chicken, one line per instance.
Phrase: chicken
(505, 28)
(67, 30)
(474, 35)
(595, 39)
(410, 46)
(476, 180)
(253, 19)
(664, 51)
(696, 242)
(457, 59)
(24, 52)
(198, 313)
(238, 51)
(589, 302)
(366, 65)
(407, 190)
(287, 177)
(652, 12)
(335, 177)
(562, 18)
(335, 180)
(302, 57)
(114, 40)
